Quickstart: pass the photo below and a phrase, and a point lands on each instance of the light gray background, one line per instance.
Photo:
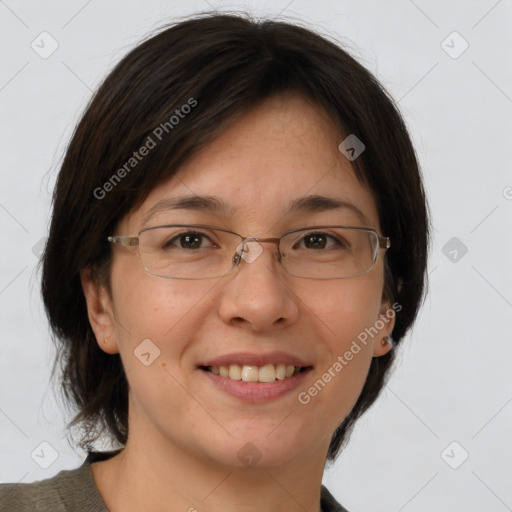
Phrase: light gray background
(453, 380)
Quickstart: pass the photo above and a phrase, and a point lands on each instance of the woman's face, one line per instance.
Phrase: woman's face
(282, 151)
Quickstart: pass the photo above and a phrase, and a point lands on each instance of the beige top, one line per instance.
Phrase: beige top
(75, 491)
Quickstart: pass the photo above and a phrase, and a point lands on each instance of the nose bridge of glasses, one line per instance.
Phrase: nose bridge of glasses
(262, 240)
(250, 249)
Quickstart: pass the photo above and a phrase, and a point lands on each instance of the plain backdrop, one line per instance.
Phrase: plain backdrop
(439, 437)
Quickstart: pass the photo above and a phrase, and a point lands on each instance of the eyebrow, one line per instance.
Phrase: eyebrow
(317, 203)
(212, 204)
(194, 203)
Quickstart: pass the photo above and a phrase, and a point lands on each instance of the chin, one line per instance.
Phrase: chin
(259, 448)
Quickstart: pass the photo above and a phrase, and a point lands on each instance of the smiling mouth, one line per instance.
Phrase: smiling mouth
(252, 373)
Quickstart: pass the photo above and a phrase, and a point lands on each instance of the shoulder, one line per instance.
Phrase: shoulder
(68, 491)
(36, 496)
(328, 502)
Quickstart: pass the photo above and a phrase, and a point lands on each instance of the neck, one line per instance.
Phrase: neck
(160, 476)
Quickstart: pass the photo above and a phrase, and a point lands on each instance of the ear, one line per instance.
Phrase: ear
(100, 312)
(385, 324)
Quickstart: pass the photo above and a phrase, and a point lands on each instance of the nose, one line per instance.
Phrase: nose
(257, 296)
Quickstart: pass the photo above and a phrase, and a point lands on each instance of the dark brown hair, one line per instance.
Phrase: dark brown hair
(227, 64)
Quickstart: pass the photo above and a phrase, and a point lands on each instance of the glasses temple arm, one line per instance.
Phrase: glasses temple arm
(384, 242)
(125, 241)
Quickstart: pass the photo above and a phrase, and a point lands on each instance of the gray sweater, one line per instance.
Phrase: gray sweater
(75, 491)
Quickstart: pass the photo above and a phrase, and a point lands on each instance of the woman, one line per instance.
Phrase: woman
(238, 244)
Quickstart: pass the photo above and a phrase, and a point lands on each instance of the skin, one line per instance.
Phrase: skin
(184, 432)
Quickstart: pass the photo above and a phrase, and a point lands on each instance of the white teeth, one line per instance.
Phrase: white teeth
(252, 373)
(267, 373)
(235, 372)
(280, 371)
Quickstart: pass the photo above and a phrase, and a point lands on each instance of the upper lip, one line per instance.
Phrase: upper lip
(250, 358)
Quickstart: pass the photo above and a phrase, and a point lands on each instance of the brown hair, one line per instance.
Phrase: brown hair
(226, 64)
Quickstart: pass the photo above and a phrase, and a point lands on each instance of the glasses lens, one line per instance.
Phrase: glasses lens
(197, 252)
(329, 252)
(187, 252)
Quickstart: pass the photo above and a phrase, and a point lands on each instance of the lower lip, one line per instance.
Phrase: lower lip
(256, 391)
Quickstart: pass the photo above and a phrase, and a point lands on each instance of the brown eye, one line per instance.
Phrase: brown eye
(318, 241)
(189, 240)
(315, 241)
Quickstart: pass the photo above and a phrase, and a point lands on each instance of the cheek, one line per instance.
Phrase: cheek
(344, 307)
(149, 307)
(343, 313)
(156, 319)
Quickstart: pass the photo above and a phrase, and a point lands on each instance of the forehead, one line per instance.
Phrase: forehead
(265, 163)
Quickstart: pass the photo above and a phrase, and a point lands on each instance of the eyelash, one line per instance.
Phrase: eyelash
(303, 238)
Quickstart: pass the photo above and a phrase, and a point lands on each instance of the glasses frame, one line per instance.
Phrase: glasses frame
(133, 241)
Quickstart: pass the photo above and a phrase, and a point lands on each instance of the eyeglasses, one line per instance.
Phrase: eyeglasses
(185, 251)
